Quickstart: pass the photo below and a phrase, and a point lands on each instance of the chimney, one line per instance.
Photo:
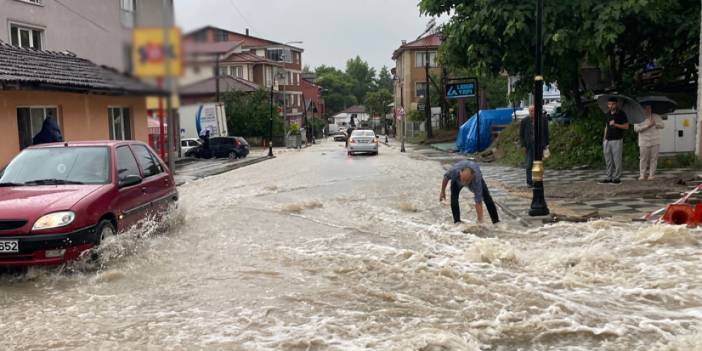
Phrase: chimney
(404, 42)
(247, 32)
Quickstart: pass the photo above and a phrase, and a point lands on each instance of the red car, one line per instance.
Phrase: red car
(59, 200)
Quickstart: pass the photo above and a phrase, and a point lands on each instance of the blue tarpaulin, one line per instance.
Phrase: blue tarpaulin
(466, 140)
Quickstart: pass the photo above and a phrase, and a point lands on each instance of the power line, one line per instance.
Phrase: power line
(82, 16)
(241, 14)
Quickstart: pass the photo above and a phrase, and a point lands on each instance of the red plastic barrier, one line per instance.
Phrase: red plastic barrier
(679, 214)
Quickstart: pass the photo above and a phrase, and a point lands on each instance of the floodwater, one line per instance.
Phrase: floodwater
(318, 251)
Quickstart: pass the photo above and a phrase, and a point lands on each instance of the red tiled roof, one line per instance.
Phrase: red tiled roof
(210, 48)
(248, 57)
(355, 109)
(248, 41)
(429, 41)
(209, 87)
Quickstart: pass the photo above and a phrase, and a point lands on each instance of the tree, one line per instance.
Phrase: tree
(337, 89)
(384, 80)
(248, 114)
(378, 101)
(619, 36)
(306, 69)
(362, 76)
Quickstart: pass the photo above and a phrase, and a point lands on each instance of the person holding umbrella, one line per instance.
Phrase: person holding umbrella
(613, 143)
(649, 141)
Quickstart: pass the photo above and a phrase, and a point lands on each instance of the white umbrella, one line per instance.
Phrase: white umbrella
(633, 110)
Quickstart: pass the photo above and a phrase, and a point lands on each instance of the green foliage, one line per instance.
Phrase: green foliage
(377, 101)
(384, 80)
(362, 77)
(620, 36)
(294, 129)
(416, 116)
(338, 89)
(248, 114)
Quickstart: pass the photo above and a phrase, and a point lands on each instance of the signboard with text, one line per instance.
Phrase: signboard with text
(460, 90)
(150, 54)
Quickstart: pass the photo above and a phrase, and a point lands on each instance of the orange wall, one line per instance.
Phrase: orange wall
(81, 116)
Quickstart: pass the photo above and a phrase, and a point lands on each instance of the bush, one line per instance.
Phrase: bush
(294, 129)
(573, 145)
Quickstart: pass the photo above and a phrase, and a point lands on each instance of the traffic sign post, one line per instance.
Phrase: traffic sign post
(461, 88)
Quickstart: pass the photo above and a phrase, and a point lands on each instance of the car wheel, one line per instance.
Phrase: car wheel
(232, 155)
(104, 230)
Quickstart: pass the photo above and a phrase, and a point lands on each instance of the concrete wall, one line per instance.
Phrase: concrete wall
(91, 29)
(81, 116)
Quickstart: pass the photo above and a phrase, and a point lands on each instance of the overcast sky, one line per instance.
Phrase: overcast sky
(332, 30)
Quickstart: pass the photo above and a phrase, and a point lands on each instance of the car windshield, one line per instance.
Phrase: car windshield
(363, 133)
(53, 166)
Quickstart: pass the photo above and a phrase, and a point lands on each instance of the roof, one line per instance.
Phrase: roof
(354, 109)
(248, 57)
(221, 47)
(23, 68)
(249, 41)
(431, 41)
(209, 87)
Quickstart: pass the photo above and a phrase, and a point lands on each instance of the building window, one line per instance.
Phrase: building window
(120, 123)
(222, 71)
(29, 122)
(220, 35)
(421, 89)
(236, 71)
(26, 37)
(127, 12)
(420, 58)
(196, 69)
(200, 36)
(279, 55)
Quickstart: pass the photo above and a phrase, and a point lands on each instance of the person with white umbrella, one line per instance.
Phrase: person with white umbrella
(613, 143)
(649, 142)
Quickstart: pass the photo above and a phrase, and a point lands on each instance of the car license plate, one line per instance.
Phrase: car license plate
(363, 141)
(9, 246)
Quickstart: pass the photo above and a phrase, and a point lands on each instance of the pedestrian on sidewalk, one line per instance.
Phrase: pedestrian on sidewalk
(613, 142)
(527, 141)
(467, 174)
(206, 144)
(649, 143)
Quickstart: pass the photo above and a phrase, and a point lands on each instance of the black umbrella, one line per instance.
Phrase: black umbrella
(633, 110)
(661, 105)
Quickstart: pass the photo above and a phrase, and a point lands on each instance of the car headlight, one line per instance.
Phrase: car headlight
(54, 220)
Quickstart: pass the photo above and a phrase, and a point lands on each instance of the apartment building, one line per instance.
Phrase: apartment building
(410, 72)
(261, 61)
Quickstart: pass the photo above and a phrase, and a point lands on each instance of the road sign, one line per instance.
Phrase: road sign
(149, 54)
(460, 90)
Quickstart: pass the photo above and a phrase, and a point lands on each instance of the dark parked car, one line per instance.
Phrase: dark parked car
(231, 147)
(59, 200)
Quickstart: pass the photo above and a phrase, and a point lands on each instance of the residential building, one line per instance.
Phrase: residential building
(261, 61)
(312, 96)
(97, 30)
(410, 71)
(88, 101)
(206, 90)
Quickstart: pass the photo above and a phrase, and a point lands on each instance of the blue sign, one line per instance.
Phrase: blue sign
(460, 90)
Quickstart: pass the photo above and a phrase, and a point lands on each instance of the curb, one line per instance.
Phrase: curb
(230, 168)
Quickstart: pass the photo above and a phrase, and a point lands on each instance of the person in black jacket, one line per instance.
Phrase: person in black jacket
(50, 132)
(527, 141)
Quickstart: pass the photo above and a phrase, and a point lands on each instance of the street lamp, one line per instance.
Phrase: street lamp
(538, 202)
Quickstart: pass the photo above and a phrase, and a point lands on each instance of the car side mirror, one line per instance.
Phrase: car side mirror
(129, 181)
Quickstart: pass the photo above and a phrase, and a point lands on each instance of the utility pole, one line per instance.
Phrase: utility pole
(217, 76)
(402, 115)
(427, 99)
(270, 121)
(167, 25)
(538, 202)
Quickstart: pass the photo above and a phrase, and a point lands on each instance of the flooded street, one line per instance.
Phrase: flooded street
(314, 250)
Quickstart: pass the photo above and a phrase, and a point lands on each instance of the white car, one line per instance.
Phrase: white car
(363, 140)
(187, 144)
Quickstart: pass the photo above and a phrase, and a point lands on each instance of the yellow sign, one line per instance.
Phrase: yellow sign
(686, 123)
(150, 55)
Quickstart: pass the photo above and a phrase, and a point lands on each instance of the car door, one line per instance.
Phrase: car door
(129, 203)
(157, 182)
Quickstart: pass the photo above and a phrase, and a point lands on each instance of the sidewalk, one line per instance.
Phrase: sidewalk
(192, 169)
(573, 193)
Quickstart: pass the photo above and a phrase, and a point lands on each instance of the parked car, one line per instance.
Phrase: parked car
(60, 200)
(363, 140)
(231, 147)
(188, 144)
(341, 136)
